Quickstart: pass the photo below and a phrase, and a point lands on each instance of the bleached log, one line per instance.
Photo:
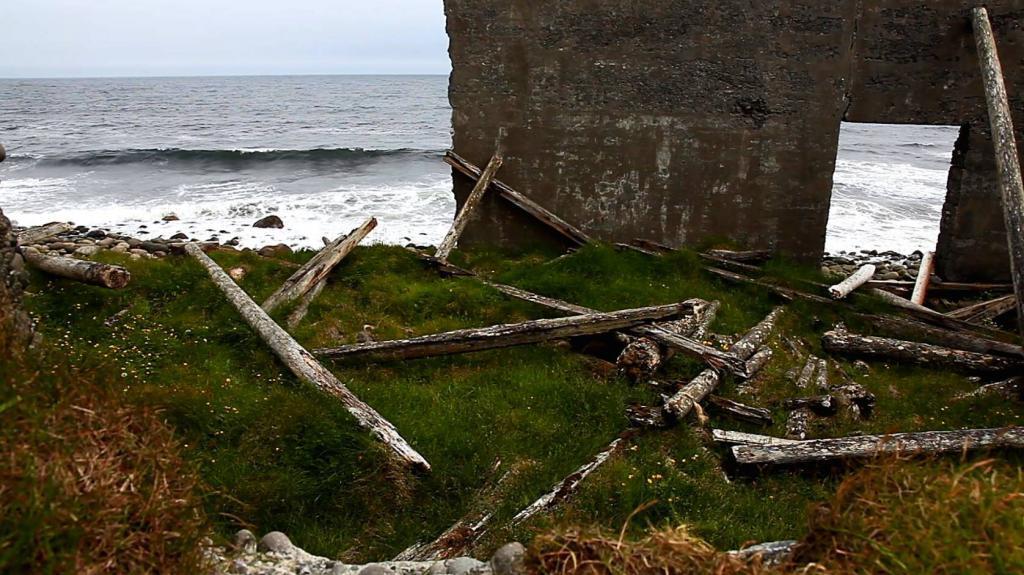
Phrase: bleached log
(305, 366)
(807, 373)
(985, 310)
(681, 403)
(462, 219)
(740, 438)
(822, 379)
(926, 443)
(644, 356)
(768, 554)
(797, 422)
(300, 311)
(759, 361)
(1007, 159)
(916, 330)
(318, 268)
(841, 342)
(933, 317)
(1012, 388)
(92, 273)
(940, 287)
(40, 233)
(506, 335)
(568, 487)
(862, 276)
(924, 279)
(739, 411)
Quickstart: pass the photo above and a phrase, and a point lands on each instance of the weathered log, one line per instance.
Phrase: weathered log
(643, 356)
(843, 289)
(856, 399)
(304, 365)
(985, 311)
(735, 266)
(924, 279)
(751, 256)
(841, 342)
(824, 405)
(318, 268)
(300, 311)
(935, 318)
(462, 219)
(1012, 388)
(807, 373)
(542, 215)
(759, 361)
(568, 487)
(681, 403)
(739, 411)
(822, 379)
(40, 233)
(925, 443)
(768, 554)
(1007, 159)
(653, 246)
(647, 417)
(506, 335)
(788, 294)
(915, 330)
(740, 438)
(797, 422)
(940, 287)
(92, 273)
(637, 249)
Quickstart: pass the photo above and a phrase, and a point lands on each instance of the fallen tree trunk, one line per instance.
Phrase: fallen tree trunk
(927, 443)
(1012, 388)
(825, 405)
(924, 279)
(786, 293)
(40, 233)
(644, 356)
(507, 335)
(300, 311)
(933, 317)
(912, 329)
(750, 256)
(318, 268)
(304, 365)
(735, 266)
(759, 361)
(807, 373)
(681, 403)
(843, 289)
(943, 287)
(647, 417)
(840, 342)
(92, 273)
(450, 240)
(985, 310)
(739, 411)
(542, 215)
(740, 438)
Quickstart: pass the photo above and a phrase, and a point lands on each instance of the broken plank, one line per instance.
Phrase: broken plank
(305, 366)
(92, 273)
(748, 256)
(462, 219)
(909, 352)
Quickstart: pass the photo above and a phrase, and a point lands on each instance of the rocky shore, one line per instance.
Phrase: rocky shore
(891, 265)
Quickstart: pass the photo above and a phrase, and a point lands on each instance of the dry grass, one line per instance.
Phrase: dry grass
(89, 483)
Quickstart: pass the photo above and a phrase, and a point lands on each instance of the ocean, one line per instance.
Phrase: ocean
(325, 152)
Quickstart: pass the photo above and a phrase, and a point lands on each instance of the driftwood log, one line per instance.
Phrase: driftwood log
(916, 330)
(92, 273)
(40, 233)
(807, 373)
(739, 411)
(758, 362)
(539, 213)
(932, 442)
(938, 287)
(506, 335)
(1012, 388)
(909, 352)
(862, 276)
(740, 438)
(751, 256)
(788, 294)
(797, 422)
(682, 402)
(462, 219)
(304, 365)
(824, 405)
(647, 417)
(924, 279)
(933, 317)
(318, 268)
(643, 356)
(985, 311)
(299, 313)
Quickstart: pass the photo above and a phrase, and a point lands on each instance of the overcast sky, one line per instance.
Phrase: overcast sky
(61, 38)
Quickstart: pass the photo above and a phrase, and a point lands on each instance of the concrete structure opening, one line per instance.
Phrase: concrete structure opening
(890, 186)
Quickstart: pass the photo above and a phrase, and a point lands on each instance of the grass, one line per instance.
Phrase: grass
(276, 455)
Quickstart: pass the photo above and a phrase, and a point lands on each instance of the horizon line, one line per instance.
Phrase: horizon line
(227, 75)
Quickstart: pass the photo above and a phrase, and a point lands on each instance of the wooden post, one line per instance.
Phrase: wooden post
(446, 247)
(93, 273)
(318, 268)
(846, 287)
(924, 279)
(304, 365)
(1007, 158)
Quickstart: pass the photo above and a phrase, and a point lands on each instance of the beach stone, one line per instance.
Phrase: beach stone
(134, 243)
(462, 565)
(106, 242)
(375, 570)
(138, 252)
(509, 560)
(276, 542)
(245, 542)
(96, 234)
(437, 569)
(237, 274)
(82, 229)
(87, 251)
(171, 218)
(3, 153)
(269, 222)
(889, 276)
(179, 236)
(275, 251)
(153, 246)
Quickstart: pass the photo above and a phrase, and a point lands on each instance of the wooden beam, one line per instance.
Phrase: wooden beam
(924, 279)
(909, 352)
(305, 366)
(1007, 159)
(462, 219)
(92, 273)
(506, 335)
(932, 442)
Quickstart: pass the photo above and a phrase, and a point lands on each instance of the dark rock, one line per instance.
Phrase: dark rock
(179, 236)
(275, 251)
(96, 234)
(171, 218)
(269, 222)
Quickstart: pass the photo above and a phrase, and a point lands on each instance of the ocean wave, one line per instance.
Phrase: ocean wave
(230, 157)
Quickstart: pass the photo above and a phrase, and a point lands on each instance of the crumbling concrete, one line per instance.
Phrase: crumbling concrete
(14, 322)
(686, 121)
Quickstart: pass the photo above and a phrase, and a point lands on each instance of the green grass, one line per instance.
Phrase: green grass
(276, 455)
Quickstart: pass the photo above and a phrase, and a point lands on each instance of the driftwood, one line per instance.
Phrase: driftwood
(739, 411)
(647, 417)
(92, 273)
(843, 289)
(1012, 388)
(568, 487)
(788, 294)
(318, 268)
(915, 330)
(40, 233)
(759, 361)
(807, 373)
(824, 405)
(924, 279)
(938, 287)
(768, 554)
(681, 403)
(985, 311)
(506, 335)
(822, 379)
(300, 311)
(1007, 159)
(841, 342)
(797, 422)
(739, 438)
(856, 399)
(752, 256)
(459, 225)
(935, 318)
(304, 365)
(643, 356)
(932, 442)
(542, 215)
(735, 266)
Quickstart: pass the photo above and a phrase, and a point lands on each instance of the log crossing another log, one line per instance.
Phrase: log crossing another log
(92, 273)
(40, 233)
(1011, 185)
(507, 335)
(924, 279)
(304, 365)
(985, 311)
(318, 268)
(462, 219)
(926, 443)
(909, 352)
(862, 276)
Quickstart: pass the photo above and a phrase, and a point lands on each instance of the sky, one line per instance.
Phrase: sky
(99, 38)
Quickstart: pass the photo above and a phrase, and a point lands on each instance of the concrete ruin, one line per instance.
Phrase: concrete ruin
(686, 121)
(14, 322)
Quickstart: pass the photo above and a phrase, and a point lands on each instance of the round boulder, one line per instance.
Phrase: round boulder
(509, 560)
(276, 542)
(462, 565)
(273, 222)
(374, 569)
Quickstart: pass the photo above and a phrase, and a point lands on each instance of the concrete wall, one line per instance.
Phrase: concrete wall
(14, 322)
(684, 121)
